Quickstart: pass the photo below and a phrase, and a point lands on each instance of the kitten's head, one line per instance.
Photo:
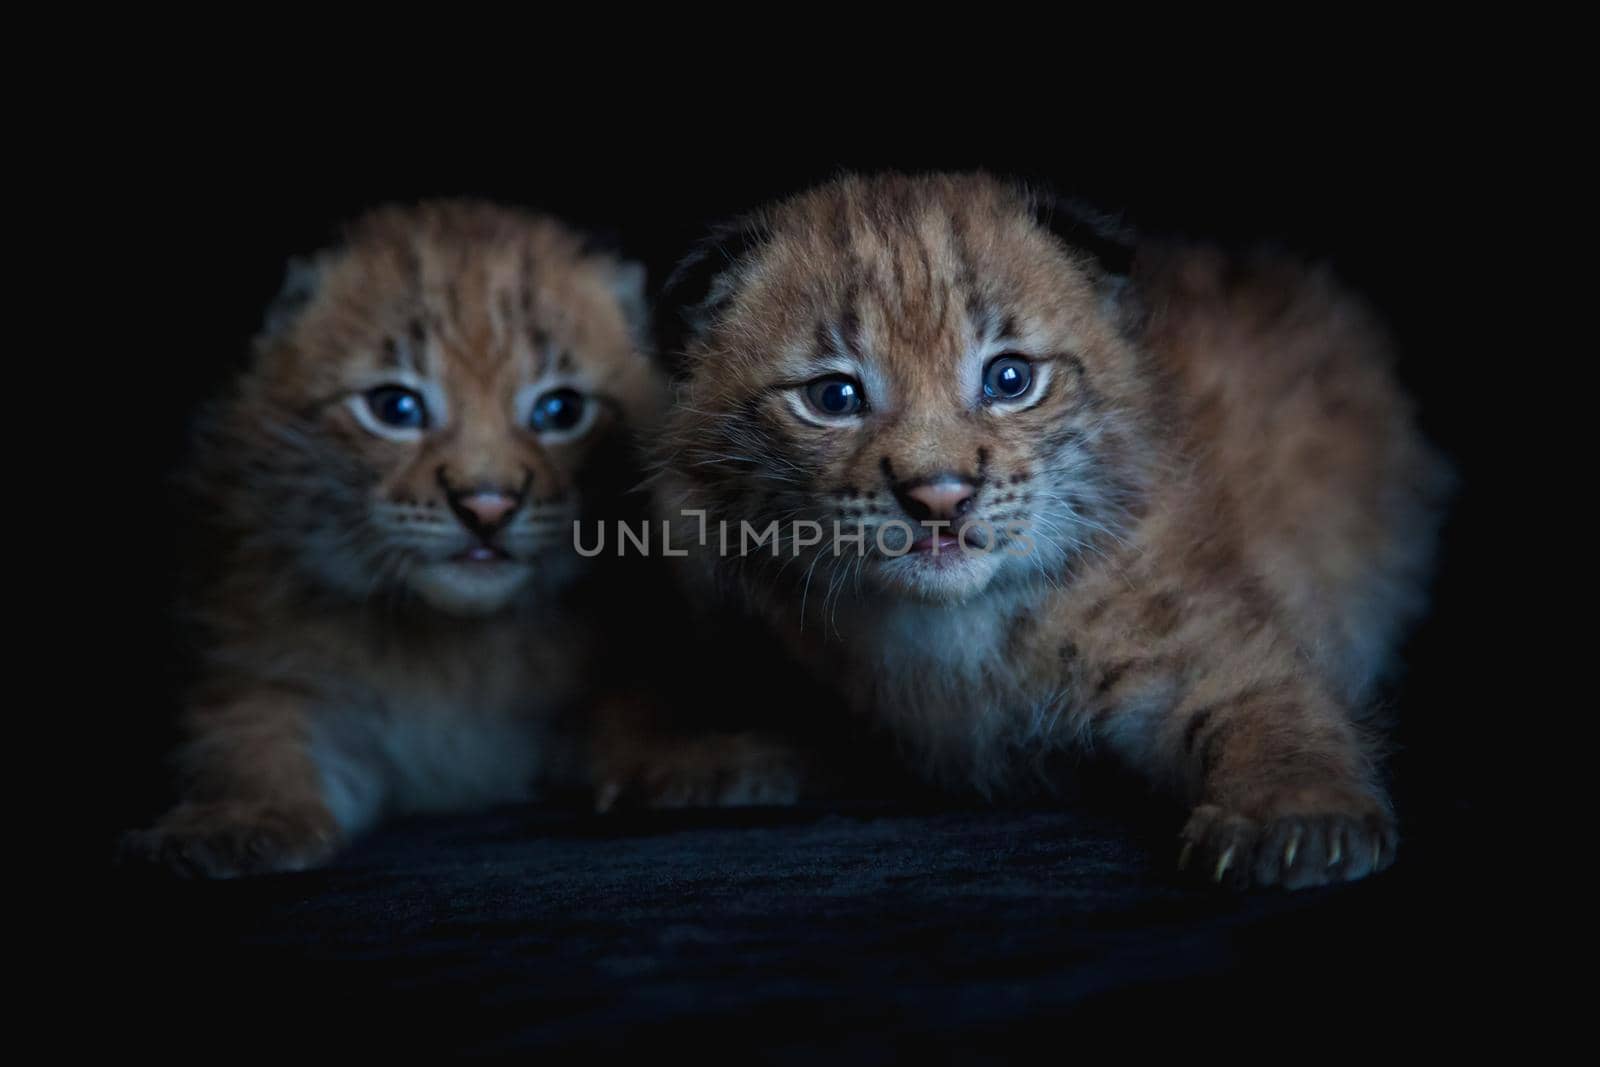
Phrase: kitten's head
(426, 401)
(890, 353)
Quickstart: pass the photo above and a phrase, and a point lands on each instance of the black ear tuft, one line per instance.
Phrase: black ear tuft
(1109, 242)
(700, 286)
(602, 241)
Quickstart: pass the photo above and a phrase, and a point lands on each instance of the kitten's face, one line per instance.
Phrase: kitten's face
(895, 353)
(424, 420)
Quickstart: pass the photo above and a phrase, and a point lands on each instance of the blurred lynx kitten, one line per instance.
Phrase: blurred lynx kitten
(392, 486)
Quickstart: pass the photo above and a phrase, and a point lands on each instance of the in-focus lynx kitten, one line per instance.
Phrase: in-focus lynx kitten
(1167, 505)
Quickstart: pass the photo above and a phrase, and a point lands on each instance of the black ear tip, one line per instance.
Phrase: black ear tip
(687, 277)
(685, 289)
(1108, 240)
(693, 292)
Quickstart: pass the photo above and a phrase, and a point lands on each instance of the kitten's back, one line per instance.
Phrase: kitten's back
(1293, 408)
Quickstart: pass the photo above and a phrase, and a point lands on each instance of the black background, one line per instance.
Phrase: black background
(1398, 189)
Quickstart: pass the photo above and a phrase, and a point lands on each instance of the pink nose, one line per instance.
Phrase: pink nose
(944, 499)
(489, 508)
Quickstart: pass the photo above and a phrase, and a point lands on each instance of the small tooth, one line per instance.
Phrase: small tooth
(1292, 848)
(1222, 864)
(1337, 851)
(1183, 857)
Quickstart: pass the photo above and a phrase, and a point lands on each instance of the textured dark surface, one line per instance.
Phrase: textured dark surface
(857, 931)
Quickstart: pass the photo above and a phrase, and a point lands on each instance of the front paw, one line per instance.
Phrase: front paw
(229, 840)
(739, 770)
(1290, 838)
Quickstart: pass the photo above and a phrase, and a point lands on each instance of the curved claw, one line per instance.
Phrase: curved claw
(1222, 864)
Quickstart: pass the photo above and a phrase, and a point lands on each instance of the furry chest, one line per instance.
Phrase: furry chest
(957, 690)
(428, 751)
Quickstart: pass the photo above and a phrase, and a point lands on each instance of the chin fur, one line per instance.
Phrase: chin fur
(936, 580)
(470, 589)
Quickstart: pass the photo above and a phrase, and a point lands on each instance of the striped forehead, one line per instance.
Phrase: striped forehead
(485, 316)
(902, 285)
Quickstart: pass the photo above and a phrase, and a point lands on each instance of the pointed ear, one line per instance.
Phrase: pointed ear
(627, 285)
(702, 286)
(1105, 240)
(1104, 244)
(302, 279)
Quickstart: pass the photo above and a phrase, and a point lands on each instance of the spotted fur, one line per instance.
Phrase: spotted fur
(357, 663)
(1223, 511)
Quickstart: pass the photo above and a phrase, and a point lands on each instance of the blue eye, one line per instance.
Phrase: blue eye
(1007, 378)
(836, 395)
(559, 409)
(397, 406)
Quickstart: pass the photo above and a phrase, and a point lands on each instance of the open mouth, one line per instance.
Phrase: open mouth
(950, 542)
(936, 544)
(482, 554)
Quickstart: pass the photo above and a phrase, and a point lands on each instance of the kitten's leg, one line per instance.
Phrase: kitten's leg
(637, 762)
(253, 797)
(1285, 790)
(1280, 776)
